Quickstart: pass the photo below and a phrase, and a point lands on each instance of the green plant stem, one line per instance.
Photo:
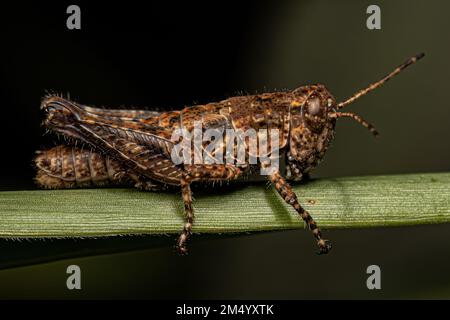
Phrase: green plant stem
(371, 201)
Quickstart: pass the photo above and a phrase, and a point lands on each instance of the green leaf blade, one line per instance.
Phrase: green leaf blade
(351, 202)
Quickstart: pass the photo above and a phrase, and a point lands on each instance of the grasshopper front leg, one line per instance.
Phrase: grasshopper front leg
(213, 172)
(289, 196)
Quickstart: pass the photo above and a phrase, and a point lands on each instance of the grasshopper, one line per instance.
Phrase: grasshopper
(134, 146)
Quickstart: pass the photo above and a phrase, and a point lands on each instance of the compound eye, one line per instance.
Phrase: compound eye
(313, 106)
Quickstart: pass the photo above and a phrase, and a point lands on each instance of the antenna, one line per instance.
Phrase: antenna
(379, 83)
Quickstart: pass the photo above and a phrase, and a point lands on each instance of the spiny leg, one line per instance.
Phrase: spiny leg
(288, 195)
(199, 173)
(186, 193)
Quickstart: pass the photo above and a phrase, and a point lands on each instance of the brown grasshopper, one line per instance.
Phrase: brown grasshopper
(134, 146)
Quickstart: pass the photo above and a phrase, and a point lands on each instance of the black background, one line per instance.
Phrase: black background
(165, 55)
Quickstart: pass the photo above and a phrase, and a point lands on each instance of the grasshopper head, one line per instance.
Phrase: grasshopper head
(312, 106)
(311, 128)
(314, 112)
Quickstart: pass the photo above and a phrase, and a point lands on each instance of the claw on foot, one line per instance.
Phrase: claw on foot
(182, 250)
(324, 246)
(181, 244)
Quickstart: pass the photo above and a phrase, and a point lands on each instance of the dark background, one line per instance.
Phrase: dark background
(174, 54)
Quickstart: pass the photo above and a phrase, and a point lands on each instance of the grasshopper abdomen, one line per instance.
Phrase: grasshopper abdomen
(70, 167)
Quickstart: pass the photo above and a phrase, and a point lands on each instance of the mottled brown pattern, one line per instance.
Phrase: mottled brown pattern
(288, 195)
(68, 167)
(65, 166)
(200, 173)
(134, 146)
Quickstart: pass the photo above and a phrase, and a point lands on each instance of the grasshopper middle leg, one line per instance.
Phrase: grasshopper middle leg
(199, 173)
